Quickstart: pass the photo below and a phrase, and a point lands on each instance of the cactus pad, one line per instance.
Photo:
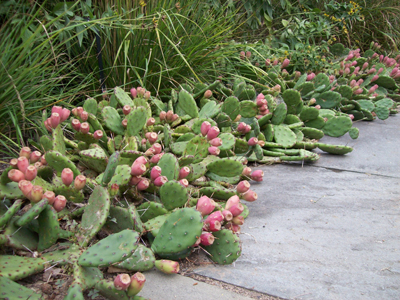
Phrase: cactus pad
(113, 249)
(284, 136)
(337, 126)
(226, 247)
(141, 260)
(225, 167)
(173, 195)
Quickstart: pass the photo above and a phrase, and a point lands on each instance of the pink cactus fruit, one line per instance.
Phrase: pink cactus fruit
(358, 91)
(141, 160)
(207, 94)
(76, 124)
(133, 93)
(155, 172)
(351, 116)
(140, 91)
(227, 215)
(67, 176)
(236, 209)
(65, 113)
(205, 205)
(285, 63)
(122, 282)
(25, 186)
(30, 173)
(163, 116)
(126, 109)
(318, 106)
(114, 189)
(137, 282)
(50, 196)
(143, 184)
(257, 175)
(215, 216)
(84, 128)
(374, 78)
(22, 163)
(216, 142)
(98, 134)
(156, 158)
(207, 238)
(212, 133)
(152, 137)
(36, 193)
(169, 115)
(43, 160)
(167, 266)
(25, 152)
(160, 180)
(246, 171)
(213, 150)
(84, 116)
(235, 228)
(157, 148)
(54, 120)
(205, 127)
(214, 225)
(59, 203)
(147, 95)
(241, 127)
(150, 122)
(16, 175)
(184, 172)
(243, 186)
(56, 109)
(80, 182)
(14, 163)
(138, 169)
(183, 182)
(252, 141)
(250, 196)
(35, 156)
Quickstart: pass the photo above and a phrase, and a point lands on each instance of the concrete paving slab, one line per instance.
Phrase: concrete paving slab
(160, 286)
(315, 233)
(376, 151)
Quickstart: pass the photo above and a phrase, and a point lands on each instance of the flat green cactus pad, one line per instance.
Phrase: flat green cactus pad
(226, 247)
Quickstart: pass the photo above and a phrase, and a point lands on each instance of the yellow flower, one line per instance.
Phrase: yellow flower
(142, 3)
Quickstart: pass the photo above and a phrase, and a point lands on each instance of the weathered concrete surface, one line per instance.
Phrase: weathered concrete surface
(376, 151)
(318, 233)
(167, 287)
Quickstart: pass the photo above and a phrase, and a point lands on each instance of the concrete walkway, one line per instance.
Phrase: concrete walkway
(328, 230)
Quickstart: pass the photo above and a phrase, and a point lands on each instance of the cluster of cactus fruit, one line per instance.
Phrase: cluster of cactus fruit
(173, 172)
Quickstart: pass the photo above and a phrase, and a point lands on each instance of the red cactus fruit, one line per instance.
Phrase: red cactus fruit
(160, 180)
(124, 123)
(246, 171)
(157, 148)
(126, 109)
(26, 152)
(14, 163)
(257, 175)
(241, 127)
(36, 193)
(261, 101)
(30, 173)
(67, 176)
(80, 182)
(250, 196)
(37, 164)
(213, 150)
(114, 189)
(318, 106)
(235, 228)
(138, 169)
(137, 283)
(207, 238)
(22, 163)
(238, 220)
(56, 109)
(59, 203)
(147, 95)
(227, 215)
(184, 172)
(35, 156)
(184, 183)
(50, 196)
(169, 115)
(205, 127)
(205, 205)
(155, 172)
(285, 63)
(43, 160)
(122, 282)
(84, 127)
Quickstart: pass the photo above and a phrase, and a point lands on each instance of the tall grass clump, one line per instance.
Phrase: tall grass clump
(35, 71)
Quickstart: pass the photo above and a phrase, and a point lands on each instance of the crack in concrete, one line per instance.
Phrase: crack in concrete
(353, 171)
